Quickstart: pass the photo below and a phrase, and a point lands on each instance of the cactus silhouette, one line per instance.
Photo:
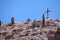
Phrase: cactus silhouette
(0, 22)
(28, 20)
(43, 21)
(12, 20)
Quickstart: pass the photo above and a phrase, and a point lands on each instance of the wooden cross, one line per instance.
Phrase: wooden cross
(47, 11)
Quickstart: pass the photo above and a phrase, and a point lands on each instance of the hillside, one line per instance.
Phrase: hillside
(31, 30)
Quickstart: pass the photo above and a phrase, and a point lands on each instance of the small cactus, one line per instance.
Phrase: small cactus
(28, 20)
(0, 22)
(34, 23)
(43, 21)
(12, 20)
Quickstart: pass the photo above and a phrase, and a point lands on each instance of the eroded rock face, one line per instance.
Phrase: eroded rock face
(28, 31)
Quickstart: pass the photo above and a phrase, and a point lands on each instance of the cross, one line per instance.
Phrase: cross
(47, 11)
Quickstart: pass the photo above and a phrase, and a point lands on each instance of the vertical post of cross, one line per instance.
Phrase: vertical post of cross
(47, 11)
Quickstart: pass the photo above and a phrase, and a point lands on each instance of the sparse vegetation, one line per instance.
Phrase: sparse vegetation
(43, 20)
(20, 32)
(28, 20)
(0, 22)
(30, 29)
(12, 20)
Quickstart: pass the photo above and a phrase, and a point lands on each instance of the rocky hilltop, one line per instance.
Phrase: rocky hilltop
(31, 30)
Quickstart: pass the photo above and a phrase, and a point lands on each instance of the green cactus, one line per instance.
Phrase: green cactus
(12, 20)
(0, 22)
(28, 20)
(43, 21)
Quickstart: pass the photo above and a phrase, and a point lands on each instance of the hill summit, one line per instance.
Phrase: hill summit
(31, 30)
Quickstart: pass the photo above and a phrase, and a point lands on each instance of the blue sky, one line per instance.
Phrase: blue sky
(23, 9)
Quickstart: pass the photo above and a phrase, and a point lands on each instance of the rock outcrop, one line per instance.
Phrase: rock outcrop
(31, 30)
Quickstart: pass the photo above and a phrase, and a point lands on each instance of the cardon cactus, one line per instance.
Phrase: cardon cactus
(43, 21)
(0, 22)
(12, 20)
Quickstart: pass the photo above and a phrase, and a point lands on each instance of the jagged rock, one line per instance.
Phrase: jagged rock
(31, 31)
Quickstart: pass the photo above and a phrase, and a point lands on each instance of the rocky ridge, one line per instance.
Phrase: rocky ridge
(31, 30)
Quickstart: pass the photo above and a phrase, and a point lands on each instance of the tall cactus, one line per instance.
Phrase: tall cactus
(0, 22)
(12, 20)
(43, 21)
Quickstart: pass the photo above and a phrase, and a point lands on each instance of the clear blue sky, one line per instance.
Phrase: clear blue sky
(23, 9)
